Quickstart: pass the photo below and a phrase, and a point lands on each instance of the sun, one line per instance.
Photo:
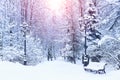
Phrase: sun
(55, 4)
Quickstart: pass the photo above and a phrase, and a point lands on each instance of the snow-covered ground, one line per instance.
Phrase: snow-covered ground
(53, 70)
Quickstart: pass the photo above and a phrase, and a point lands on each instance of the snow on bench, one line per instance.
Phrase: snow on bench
(96, 67)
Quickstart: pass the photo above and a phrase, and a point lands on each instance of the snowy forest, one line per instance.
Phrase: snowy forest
(33, 31)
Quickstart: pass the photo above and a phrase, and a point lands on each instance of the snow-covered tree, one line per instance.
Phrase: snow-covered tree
(71, 41)
(88, 23)
(67, 51)
(34, 51)
(109, 26)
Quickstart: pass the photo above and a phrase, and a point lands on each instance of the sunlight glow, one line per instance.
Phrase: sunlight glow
(55, 4)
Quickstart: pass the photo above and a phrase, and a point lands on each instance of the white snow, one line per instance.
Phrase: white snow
(104, 39)
(54, 70)
(112, 1)
(95, 66)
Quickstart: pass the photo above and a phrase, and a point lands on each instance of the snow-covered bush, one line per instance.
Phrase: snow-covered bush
(66, 51)
(11, 54)
(109, 49)
(34, 51)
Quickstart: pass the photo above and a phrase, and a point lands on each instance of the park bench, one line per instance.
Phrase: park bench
(96, 67)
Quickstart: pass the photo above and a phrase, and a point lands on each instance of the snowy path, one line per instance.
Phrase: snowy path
(55, 70)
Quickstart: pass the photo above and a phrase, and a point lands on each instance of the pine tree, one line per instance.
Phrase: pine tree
(34, 50)
(88, 23)
(69, 50)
